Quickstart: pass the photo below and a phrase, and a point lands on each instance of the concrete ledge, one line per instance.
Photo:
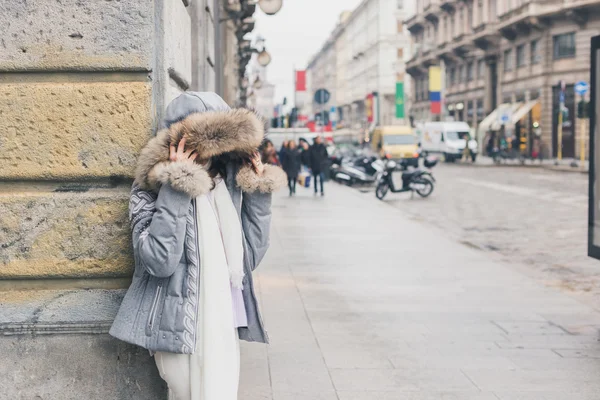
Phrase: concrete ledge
(76, 35)
(55, 346)
(51, 233)
(74, 367)
(72, 130)
(55, 311)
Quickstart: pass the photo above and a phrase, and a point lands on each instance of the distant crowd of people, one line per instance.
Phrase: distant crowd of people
(292, 157)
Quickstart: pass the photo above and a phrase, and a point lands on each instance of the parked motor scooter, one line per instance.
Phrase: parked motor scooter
(415, 180)
(360, 170)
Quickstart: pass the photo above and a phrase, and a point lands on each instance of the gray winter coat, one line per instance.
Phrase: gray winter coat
(159, 311)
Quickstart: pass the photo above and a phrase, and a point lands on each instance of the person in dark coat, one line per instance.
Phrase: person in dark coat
(291, 165)
(304, 153)
(318, 162)
(282, 151)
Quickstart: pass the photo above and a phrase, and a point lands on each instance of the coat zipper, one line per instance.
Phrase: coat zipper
(195, 207)
(153, 311)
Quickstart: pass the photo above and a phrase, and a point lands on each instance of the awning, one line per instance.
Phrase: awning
(487, 122)
(523, 111)
(509, 109)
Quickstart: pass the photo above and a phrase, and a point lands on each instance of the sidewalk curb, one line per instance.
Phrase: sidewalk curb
(549, 167)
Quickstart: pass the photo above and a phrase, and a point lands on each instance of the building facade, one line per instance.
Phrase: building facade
(503, 63)
(360, 59)
(84, 86)
(262, 93)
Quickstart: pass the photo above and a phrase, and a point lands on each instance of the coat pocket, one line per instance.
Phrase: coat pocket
(153, 310)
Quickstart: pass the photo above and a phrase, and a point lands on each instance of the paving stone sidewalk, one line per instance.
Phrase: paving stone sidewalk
(362, 303)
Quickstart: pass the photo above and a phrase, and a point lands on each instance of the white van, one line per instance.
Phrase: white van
(447, 138)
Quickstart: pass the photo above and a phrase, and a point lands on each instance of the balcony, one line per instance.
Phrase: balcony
(422, 59)
(415, 24)
(448, 5)
(486, 36)
(431, 12)
(521, 20)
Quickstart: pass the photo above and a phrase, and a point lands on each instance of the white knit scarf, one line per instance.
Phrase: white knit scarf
(230, 231)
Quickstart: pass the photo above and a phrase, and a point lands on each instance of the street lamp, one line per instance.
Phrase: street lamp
(263, 58)
(269, 7)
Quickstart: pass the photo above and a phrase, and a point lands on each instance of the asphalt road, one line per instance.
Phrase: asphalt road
(532, 218)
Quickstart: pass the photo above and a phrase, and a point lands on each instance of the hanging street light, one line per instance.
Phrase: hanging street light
(269, 7)
(263, 58)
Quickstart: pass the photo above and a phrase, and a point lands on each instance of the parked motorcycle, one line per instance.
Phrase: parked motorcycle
(359, 170)
(415, 180)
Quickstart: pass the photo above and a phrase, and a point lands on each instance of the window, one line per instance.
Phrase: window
(452, 76)
(470, 17)
(520, 56)
(469, 72)
(461, 74)
(480, 69)
(508, 63)
(400, 4)
(535, 52)
(564, 46)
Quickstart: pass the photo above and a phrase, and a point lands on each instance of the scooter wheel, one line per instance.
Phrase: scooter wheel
(428, 187)
(381, 190)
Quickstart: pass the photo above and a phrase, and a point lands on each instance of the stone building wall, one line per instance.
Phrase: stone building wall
(83, 86)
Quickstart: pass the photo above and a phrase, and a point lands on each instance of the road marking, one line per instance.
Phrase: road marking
(550, 196)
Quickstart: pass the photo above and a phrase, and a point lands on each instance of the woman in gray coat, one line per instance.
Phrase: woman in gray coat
(200, 213)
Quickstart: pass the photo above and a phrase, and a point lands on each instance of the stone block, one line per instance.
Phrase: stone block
(72, 130)
(73, 367)
(64, 232)
(76, 35)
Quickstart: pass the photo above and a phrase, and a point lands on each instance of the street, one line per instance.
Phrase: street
(370, 300)
(532, 218)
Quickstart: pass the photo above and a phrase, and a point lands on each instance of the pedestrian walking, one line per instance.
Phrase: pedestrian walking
(200, 212)
(291, 165)
(283, 150)
(268, 153)
(318, 162)
(304, 153)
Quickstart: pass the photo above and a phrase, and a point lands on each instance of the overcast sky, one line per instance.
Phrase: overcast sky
(294, 35)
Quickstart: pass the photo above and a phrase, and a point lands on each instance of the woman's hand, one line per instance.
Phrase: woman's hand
(180, 154)
(257, 164)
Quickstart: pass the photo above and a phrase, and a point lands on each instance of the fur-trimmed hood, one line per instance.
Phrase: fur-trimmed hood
(211, 128)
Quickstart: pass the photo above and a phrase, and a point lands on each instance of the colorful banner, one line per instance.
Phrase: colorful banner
(400, 100)
(300, 81)
(435, 90)
(369, 107)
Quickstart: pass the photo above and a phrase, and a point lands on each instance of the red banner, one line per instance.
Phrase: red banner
(300, 81)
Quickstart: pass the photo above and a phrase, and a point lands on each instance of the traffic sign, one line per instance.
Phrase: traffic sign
(504, 118)
(581, 88)
(322, 96)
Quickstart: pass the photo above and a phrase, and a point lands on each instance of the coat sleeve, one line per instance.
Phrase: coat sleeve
(256, 209)
(256, 224)
(158, 228)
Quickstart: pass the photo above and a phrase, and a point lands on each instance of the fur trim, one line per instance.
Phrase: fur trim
(184, 176)
(211, 133)
(272, 179)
